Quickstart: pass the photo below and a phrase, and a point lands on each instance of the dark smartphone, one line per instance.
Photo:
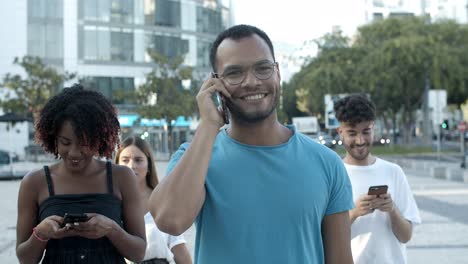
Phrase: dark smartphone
(73, 218)
(377, 190)
(222, 102)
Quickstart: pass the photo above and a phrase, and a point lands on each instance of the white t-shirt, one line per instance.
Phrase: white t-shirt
(158, 243)
(372, 238)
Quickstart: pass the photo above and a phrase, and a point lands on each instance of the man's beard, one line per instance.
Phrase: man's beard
(358, 155)
(252, 117)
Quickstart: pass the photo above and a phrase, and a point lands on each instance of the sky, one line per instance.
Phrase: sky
(295, 21)
(289, 23)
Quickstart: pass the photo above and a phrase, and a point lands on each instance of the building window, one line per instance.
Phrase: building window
(162, 13)
(115, 89)
(121, 46)
(51, 9)
(209, 20)
(203, 48)
(115, 11)
(168, 46)
(378, 3)
(378, 16)
(121, 11)
(104, 44)
(45, 30)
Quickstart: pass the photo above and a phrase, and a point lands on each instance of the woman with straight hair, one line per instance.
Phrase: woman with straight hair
(161, 248)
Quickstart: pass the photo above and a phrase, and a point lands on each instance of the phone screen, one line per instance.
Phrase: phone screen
(73, 218)
(378, 190)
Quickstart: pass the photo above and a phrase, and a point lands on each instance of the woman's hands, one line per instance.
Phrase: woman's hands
(95, 227)
(50, 228)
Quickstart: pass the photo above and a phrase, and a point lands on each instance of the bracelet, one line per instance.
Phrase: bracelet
(38, 237)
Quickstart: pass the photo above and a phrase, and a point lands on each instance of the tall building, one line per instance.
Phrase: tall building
(436, 9)
(106, 41)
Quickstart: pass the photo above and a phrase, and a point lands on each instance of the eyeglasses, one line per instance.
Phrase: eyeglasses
(235, 75)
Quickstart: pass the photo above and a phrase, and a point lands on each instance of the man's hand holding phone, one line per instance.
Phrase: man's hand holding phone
(363, 206)
(376, 198)
(383, 200)
(384, 203)
(209, 111)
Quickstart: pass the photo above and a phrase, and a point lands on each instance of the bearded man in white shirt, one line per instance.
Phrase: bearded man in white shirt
(381, 224)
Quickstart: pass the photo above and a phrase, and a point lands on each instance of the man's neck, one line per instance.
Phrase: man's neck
(266, 133)
(369, 160)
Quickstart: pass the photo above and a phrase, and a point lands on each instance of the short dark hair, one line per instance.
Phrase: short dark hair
(92, 116)
(152, 176)
(238, 32)
(354, 109)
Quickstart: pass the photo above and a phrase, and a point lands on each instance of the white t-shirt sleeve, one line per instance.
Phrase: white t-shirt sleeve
(406, 203)
(175, 240)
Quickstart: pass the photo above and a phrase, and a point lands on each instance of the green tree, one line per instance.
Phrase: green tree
(402, 53)
(455, 36)
(332, 41)
(391, 60)
(25, 96)
(332, 71)
(163, 94)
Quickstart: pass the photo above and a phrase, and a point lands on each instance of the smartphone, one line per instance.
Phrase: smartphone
(378, 190)
(74, 218)
(222, 102)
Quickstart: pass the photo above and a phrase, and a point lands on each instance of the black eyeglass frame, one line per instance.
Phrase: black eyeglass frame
(270, 63)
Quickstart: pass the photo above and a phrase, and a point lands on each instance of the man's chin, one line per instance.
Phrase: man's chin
(360, 157)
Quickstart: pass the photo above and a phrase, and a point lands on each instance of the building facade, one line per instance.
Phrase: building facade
(435, 9)
(106, 42)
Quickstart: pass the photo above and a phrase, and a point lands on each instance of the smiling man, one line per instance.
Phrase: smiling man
(258, 191)
(381, 223)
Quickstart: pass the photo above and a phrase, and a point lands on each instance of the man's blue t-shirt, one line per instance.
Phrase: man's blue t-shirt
(265, 204)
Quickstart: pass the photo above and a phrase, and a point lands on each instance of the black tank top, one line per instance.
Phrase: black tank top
(79, 249)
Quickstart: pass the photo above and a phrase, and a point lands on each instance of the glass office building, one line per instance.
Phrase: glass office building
(106, 42)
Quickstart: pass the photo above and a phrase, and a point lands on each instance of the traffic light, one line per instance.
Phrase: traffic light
(444, 125)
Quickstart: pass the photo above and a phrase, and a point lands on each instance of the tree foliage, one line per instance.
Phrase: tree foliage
(163, 94)
(26, 95)
(391, 60)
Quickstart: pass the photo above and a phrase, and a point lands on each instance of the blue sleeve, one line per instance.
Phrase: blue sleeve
(341, 194)
(176, 157)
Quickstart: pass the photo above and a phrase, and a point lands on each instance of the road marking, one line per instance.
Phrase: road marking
(440, 192)
(437, 246)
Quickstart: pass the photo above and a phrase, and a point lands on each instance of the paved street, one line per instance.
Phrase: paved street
(442, 238)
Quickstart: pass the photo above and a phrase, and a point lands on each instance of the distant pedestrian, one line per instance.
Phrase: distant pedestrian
(136, 154)
(77, 126)
(381, 222)
(259, 191)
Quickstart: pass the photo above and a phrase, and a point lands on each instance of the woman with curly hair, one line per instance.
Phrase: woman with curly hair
(79, 126)
(161, 248)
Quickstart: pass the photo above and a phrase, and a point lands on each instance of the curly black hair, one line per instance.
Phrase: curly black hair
(354, 109)
(93, 118)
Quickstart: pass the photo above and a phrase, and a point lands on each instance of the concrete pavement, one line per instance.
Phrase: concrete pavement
(443, 235)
